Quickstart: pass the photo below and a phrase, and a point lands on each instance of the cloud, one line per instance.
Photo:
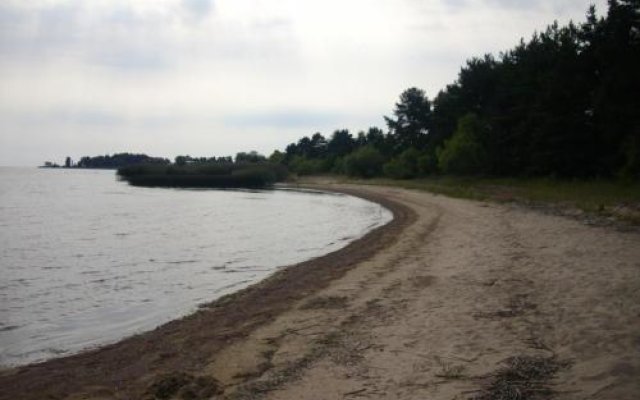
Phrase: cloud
(559, 9)
(285, 119)
(132, 58)
(198, 7)
(517, 4)
(64, 117)
(169, 76)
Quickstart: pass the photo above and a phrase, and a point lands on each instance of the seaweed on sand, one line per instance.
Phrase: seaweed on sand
(522, 378)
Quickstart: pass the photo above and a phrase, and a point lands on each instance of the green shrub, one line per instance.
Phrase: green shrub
(366, 162)
(338, 166)
(631, 168)
(428, 163)
(405, 166)
(306, 166)
(463, 153)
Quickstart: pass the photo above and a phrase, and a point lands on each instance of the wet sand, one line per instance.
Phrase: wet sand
(431, 305)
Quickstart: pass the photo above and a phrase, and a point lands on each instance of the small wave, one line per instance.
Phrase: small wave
(253, 268)
(90, 272)
(9, 328)
(182, 262)
(236, 261)
(71, 285)
(232, 285)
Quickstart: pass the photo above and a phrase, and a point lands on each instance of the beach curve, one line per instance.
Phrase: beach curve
(125, 369)
(449, 300)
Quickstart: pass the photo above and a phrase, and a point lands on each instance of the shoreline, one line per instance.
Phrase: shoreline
(126, 368)
(453, 299)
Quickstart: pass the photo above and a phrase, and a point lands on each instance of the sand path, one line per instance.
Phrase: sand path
(430, 307)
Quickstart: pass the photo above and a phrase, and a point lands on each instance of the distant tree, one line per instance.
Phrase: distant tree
(290, 152)
(181, 160)
(250, 157)
(67, 162)
(341, 143)
(277, 157)
(376, 138)
(412, 121)
(304, 147)
(118, 160)
(563, 103)
(361, 139)
(615, 51)
(448, 106)
(318, 146)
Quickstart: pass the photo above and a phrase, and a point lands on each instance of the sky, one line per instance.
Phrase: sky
(215, 77)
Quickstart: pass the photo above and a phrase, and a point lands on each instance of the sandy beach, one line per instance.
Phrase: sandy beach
(448, 301)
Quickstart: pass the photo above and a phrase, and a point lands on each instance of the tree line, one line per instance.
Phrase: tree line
(115, 161)
(565, 103)
(107, 161)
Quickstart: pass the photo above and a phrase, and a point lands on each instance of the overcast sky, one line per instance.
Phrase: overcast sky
(214, 77)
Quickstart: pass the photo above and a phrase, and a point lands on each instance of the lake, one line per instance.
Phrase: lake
(87, 260)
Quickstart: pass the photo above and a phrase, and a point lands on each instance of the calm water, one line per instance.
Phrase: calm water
(86, 259)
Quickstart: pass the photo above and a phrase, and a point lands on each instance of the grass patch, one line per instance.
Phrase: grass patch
(605, 198)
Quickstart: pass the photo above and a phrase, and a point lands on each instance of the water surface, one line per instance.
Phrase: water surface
(87, 260)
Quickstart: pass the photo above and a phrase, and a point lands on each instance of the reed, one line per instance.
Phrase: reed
(205, 175)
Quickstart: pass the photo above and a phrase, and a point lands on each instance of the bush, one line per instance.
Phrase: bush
(306, 166)
(212, 175)
(338, 166)
(366, 162)
(405, 166)
(463, 153)
(428, 163)
(631, 168)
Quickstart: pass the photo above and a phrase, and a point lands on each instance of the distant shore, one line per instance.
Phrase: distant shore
(452, 299)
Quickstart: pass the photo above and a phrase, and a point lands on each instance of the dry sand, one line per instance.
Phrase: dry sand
(434, 305)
